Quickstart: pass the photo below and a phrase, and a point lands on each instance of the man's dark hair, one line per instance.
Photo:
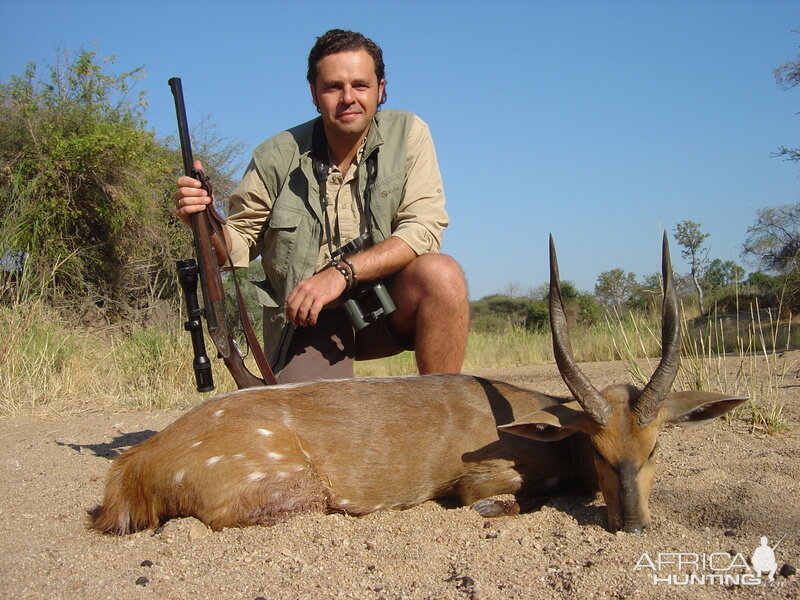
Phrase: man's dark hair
(341, 40)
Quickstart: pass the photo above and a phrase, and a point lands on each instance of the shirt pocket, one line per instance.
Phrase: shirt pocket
(385, 202)
(266, 294)
(281, 236)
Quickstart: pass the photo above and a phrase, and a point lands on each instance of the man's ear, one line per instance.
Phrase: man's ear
(551, 424)
(313, 89)
(381, 90)
(694, 408)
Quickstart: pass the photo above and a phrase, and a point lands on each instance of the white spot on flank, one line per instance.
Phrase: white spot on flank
(281, 474)
(345, 502)
(179, 476)
(238, 456)
(196, 444)
(219, 412)
(274, 455)
(213, 460)
(256, 476)
(264, 432)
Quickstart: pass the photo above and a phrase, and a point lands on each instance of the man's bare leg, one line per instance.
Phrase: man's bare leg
(433, 310)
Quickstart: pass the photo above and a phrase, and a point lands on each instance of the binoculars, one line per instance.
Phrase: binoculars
(369, 301)
(366, 304)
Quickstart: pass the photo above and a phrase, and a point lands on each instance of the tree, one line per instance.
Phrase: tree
(721, 273)
(589, 311)
(512, 289)
(85, 187)
(647, 294)
(568, 291)
(774, 239)
(788, 76)
(83, 184)
(537, 315)
(761, 280)
(773, 242)
(615, 287)
(499, 311)
(691, 239)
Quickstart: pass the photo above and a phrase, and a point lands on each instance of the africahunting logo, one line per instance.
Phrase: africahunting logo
(715, 568)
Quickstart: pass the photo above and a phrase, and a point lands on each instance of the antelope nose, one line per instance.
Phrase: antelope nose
(634, 527)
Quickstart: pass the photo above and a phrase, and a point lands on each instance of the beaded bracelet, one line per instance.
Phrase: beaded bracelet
(345, 273)
(353, 275)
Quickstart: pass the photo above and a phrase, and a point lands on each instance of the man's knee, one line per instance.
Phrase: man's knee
(438, 272)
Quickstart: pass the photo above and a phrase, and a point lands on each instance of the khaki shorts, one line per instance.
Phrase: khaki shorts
(327, 350)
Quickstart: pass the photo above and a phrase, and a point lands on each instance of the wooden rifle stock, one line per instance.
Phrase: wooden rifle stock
(211, 251)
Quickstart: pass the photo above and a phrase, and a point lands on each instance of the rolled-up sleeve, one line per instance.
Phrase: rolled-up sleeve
(249, 208)
(421, 217)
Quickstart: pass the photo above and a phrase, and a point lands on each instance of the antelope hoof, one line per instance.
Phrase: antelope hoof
(493, 507)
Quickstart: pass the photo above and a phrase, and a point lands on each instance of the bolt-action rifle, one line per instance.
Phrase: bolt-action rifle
(210, 250)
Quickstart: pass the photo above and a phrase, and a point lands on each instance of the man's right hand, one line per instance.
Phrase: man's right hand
(190, 196)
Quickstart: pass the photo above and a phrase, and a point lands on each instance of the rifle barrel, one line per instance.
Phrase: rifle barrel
(183, 125)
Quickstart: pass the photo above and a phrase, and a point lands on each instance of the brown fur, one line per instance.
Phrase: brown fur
(355, 446)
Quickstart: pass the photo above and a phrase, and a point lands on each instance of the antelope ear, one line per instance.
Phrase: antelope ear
(550, 424)
(695, 408)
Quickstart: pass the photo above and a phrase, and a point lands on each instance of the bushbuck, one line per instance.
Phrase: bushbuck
(259, 455)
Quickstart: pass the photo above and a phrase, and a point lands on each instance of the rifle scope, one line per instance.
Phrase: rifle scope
(187, 276)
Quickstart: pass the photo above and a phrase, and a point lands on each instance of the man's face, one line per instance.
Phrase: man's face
(347, 93)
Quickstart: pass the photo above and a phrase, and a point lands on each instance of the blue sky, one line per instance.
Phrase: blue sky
(601, 122)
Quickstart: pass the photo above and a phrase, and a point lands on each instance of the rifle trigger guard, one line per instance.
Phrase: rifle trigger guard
(241, 335)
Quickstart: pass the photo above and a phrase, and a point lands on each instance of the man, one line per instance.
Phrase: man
(354, 173)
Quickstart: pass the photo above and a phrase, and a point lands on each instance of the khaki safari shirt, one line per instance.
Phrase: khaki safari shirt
(419, 222)
(275, 211)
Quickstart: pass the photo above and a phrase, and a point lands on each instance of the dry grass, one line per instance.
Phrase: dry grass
(46, 365)
(760, 341)
(51, 368)
(512, 346)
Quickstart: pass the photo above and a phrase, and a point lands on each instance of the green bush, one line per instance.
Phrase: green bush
(84, 187)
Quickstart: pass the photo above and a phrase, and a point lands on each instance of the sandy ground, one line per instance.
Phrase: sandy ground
(718, 490)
